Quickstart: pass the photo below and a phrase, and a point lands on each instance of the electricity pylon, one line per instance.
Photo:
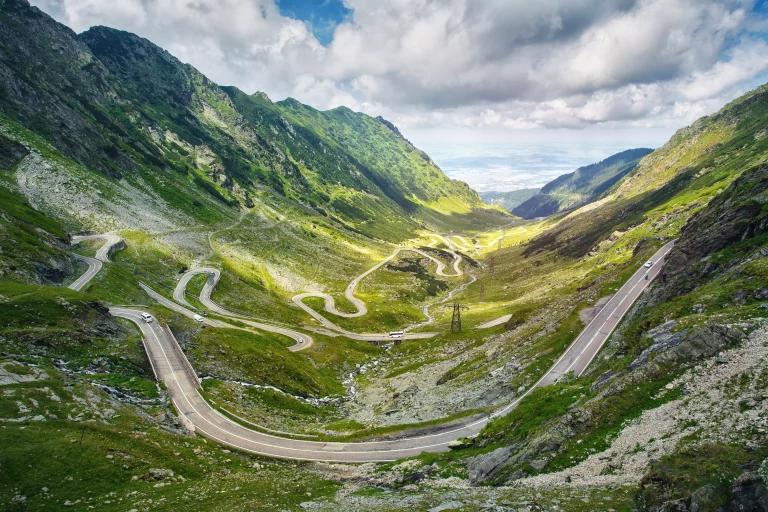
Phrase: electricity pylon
(456, 318)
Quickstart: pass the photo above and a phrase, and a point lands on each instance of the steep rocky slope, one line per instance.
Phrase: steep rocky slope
(33, 247)
(737, 220)
(581, 186)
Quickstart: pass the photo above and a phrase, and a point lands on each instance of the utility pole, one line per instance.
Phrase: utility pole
(456, 318)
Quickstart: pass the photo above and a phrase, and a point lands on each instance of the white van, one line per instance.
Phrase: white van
(198, 318)
(147, 317)
(396, 334)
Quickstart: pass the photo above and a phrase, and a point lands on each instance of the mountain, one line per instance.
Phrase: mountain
(114, 103)
(706, 188)
(509, 200)
(581, 186)
(106, 131)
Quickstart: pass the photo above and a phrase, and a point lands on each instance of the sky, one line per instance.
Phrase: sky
(458, 76)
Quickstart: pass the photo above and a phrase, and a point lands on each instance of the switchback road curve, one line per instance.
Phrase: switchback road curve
(171, 367)
(349, 293)
(94, 264)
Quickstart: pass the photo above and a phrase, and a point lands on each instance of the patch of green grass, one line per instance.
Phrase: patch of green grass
(45, 464)
(54, 322)
(345, 425)
(18, 369)
(678, 474)
(534, 410)
(32, 244)
(132, 384)
(262, 358)
(267, 408)
(16, 206)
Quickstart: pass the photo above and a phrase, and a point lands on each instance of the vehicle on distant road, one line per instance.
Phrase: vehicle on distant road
(198, 318)
(648, 265)
(397, 334)
(147, 317)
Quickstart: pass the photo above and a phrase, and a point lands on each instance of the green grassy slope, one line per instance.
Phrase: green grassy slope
(580, 186)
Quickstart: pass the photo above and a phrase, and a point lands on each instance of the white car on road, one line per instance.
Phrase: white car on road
(648, 265)
(147, 317)
(198, 318)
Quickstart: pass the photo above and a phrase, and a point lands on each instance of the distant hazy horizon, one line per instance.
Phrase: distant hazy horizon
(512, 166)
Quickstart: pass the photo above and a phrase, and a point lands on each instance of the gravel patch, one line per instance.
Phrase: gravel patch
(708, 408)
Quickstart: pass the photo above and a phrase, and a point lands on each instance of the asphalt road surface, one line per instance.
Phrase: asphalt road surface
(302, 340)
(102, 254)
(171, 367)
(94, 264)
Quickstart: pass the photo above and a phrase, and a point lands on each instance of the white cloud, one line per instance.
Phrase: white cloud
(497, 64)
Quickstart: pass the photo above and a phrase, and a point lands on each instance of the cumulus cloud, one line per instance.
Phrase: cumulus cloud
(502, 64)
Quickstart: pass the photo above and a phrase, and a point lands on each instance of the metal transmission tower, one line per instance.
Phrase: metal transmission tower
(456, 318)
(482, 291)
(492, 264)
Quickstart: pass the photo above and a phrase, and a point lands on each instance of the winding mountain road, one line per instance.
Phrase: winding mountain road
(302, 340)
(349, 293)
(171, 367)
(94, 264)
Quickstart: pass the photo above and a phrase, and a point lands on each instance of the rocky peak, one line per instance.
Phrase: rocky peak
(18, 6)
(262, 96)
(148, 69)
(389, 125)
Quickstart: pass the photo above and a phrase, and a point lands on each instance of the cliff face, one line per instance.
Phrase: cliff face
(737, 218)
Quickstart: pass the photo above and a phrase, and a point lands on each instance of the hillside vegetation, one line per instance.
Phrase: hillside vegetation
(581, 186)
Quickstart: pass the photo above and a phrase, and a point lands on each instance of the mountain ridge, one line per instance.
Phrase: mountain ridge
(140, 110)
(581, 186)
